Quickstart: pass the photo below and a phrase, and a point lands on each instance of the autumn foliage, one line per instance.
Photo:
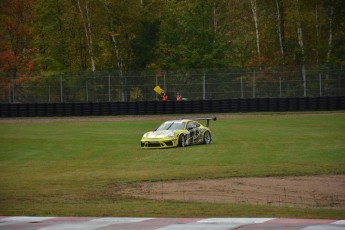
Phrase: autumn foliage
(16, 53)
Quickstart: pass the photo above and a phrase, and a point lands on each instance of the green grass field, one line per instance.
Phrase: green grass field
(67, 168)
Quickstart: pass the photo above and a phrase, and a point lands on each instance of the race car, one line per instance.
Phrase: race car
(178, 133)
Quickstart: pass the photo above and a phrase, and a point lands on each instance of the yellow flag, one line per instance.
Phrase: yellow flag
(158, 90)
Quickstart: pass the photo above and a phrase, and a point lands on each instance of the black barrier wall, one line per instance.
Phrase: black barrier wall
(174, 107)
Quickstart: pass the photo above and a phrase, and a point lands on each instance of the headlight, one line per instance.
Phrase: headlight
(145, 135)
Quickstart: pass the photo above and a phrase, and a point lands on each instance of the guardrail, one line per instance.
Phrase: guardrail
(174, 107)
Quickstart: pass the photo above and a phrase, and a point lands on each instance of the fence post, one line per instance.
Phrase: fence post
(320, 80)
(49, 96)
(13, 92)
(280, 86)
(109, 97)
(86, 91)
(304, 80)
(156, 85)
(254, 84)
(9, 93)
(204, 87)
(61, 89)
(241, 86)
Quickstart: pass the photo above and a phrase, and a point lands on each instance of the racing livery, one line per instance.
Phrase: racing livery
(180, 133)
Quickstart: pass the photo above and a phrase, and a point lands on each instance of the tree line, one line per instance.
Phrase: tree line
(43, 37)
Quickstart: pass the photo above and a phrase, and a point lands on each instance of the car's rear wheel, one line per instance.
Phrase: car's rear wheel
(207, 138)
(181, 141)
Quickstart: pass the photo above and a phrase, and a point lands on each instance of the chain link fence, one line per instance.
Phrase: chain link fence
(193, 85)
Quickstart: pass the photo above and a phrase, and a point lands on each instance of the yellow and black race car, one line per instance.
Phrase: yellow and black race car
(180, 133)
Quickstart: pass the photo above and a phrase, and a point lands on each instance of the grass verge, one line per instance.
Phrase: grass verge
(65, 168)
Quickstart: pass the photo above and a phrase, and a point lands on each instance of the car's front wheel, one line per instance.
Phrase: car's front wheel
(181, 141)
(207, 138)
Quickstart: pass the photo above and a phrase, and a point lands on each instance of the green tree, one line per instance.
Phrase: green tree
(189, 37)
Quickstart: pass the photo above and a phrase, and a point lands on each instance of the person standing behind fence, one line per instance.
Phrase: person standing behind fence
(164, 96)
(178, 97)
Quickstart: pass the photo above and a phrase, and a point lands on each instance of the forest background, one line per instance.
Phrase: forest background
(42, 38)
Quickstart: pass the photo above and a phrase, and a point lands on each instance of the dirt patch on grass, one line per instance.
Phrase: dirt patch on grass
(305, 191)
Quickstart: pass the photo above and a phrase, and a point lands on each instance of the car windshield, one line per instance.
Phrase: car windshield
(171, 125)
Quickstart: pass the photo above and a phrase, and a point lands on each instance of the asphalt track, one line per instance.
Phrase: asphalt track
(128, 223)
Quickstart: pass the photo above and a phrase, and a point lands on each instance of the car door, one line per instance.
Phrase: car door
(191, 132)
(197, 132)
(194, 132)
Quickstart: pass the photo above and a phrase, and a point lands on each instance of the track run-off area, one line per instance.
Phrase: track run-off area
(128, 223)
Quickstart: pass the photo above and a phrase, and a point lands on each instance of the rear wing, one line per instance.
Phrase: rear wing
(203, 118)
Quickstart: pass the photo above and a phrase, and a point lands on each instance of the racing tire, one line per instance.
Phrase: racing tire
(207, 138)
(181, 141)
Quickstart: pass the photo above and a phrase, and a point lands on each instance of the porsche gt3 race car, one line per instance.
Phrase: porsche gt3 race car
(180, 133)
